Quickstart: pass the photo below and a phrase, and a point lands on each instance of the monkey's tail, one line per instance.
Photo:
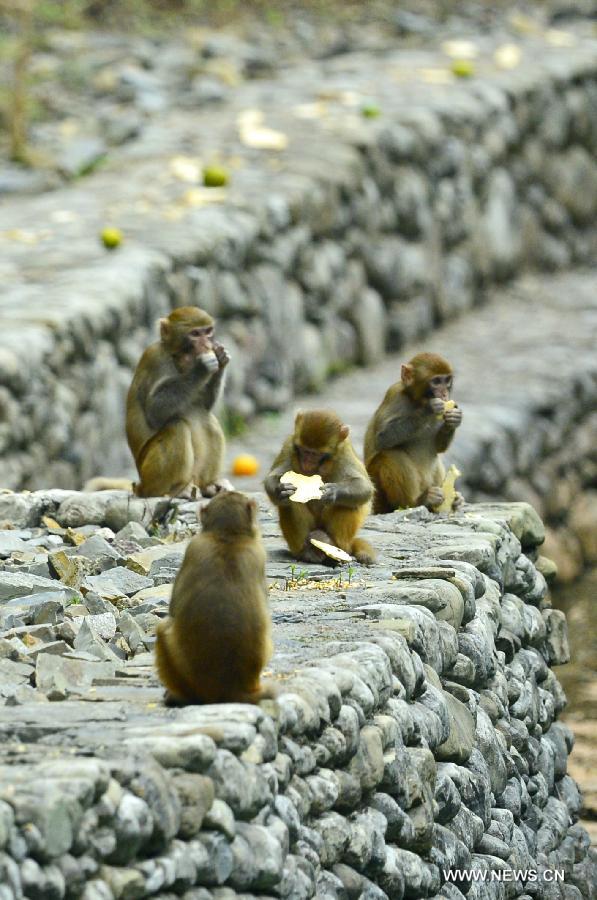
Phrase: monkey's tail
(363, 552)
(265, 691)
(108, 484)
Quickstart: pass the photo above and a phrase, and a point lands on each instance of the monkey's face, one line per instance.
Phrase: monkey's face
(187, 334)
(440, 386)
(310, 461)
(198, 341)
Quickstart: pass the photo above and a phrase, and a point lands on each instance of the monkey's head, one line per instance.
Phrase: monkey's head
(187, 332)
(427, 375)
(317, 436)
(230, 513)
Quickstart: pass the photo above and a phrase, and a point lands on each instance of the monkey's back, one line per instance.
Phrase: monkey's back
(219, 634)
(370, 447)
(138, 430)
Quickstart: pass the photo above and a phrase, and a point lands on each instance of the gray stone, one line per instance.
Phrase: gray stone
(66, 675)
(80, 156)
(118, 581)
(14, 585)
(461, 739)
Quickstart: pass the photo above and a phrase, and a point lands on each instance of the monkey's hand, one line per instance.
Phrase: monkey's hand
(458, 502)
(453, 417)
(330, 493)
(222, 354)
(284, 491)
(436, 405)
(433, 497)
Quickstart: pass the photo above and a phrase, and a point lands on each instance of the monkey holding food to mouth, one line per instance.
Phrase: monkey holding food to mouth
(173, 434)
(414, 423)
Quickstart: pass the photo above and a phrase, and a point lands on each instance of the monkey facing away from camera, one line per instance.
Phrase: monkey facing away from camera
(415, 422)
(319, 445)
(216, 640)
(175, 438)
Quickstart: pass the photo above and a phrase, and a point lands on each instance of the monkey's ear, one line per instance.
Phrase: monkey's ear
(164, 329)
(344, 432)
(252, 511)
(299, 418)
(407, 374)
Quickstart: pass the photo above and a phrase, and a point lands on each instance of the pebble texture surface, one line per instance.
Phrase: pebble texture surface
(358, 234)
(415, 731)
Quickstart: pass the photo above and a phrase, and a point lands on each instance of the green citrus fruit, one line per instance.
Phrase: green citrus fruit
(111, 237)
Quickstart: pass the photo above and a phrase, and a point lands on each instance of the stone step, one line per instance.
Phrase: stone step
(526, 378)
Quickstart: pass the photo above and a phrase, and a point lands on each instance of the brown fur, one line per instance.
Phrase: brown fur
(214, 644)
(176, 440)
(321, 431)
(404, 438)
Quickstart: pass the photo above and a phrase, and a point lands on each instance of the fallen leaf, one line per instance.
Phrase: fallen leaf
(254, 134)
(508, 56)
(460, 49)
(51, 523)
(186, 168)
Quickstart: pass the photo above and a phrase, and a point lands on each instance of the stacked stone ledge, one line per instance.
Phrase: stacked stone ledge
(362, 235)
(415, 730)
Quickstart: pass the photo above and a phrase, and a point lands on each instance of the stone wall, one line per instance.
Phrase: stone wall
(415, 731)
(362, 234)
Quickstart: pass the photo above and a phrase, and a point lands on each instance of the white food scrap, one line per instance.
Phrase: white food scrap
(308, 487)
(331, 551)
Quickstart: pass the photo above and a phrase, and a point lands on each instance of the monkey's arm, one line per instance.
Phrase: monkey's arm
(443, 439)
(213, 386)
(444, 436)
(397, 430)
(174, 394)
(351, 493)
(275, 489)
(213, 389)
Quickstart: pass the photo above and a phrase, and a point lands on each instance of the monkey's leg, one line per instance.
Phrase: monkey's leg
(296, 522)
(166, 467)
(342, 525)
(314, 554)
(397, 479)
(208, 450)
(432, 495)
(381, 503)
(363, 552)
(177, 690)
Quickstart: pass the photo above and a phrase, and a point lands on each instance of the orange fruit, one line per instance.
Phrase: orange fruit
(245, 464)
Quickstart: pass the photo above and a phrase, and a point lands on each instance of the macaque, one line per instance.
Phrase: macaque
(216, 640)
(320, 445)
(177, 442)
(414, 423)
